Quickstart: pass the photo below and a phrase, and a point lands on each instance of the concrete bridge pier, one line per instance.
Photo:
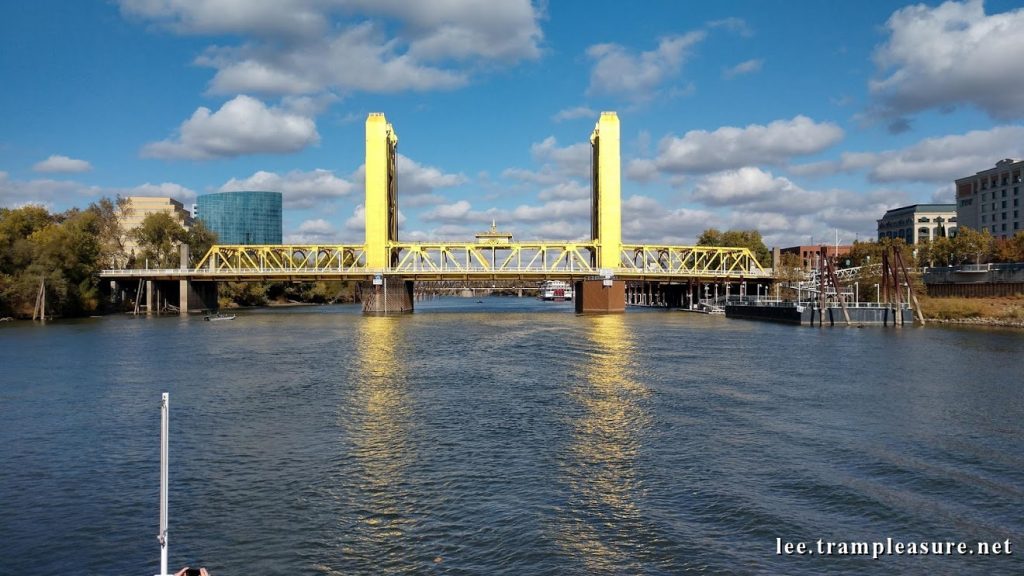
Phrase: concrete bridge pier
(394, 296)
(600, 296)
(196, 296)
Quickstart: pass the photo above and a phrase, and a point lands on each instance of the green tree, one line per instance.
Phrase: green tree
(159, 236)
(750, 239)
(199, 239)
(972, 244)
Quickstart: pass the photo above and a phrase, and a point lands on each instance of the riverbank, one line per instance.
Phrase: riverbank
(1004, 311)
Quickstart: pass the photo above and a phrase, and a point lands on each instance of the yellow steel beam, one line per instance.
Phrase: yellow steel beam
(606, 215)
(466, 259)
(381, 205)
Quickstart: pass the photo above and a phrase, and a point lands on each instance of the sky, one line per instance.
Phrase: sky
(804, 120)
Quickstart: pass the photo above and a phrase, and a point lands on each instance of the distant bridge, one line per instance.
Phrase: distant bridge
(384, 259)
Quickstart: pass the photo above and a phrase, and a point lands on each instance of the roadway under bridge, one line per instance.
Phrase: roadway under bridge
(388, 268)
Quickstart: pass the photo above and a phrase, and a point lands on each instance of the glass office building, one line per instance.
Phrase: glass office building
(242, 217)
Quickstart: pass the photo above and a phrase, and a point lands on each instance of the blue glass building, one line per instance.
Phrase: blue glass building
(242, 217)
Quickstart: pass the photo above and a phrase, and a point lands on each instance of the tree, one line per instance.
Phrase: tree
(750, 239)
(159, 236)
(1009, 249)
(112, 236)
(938, 252)
(970, 243)
(199, 240)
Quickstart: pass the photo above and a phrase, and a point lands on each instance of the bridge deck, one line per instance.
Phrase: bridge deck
(461, 261)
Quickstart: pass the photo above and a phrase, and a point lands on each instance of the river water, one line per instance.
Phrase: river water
(506, 437)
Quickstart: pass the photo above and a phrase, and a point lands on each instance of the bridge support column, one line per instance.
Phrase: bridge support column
(196, 296)
(600, 296)
(389, 297)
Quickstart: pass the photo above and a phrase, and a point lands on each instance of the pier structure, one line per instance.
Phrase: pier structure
(388, 268)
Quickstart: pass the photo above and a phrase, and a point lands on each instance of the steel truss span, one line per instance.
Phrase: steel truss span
(469, 261)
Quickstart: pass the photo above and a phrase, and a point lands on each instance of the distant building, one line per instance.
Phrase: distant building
(990, 200)
(136, 209)
(242, 217)
(810, 256)
(919, 223)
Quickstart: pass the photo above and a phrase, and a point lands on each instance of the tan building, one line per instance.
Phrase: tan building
(919, 223)
(138, 207)
(990, 200)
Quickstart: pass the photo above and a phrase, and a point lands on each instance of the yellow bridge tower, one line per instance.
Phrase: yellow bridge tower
(605, 193)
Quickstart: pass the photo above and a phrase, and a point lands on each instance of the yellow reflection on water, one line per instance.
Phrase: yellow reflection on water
(380, 437)
(600, 472)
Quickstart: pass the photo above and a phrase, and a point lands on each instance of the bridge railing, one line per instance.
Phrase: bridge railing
(439, 259)
(702, 261)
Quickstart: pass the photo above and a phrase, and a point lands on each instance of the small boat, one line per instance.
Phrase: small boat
(218, 316)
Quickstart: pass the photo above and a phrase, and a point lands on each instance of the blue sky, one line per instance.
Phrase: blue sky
(796, 118)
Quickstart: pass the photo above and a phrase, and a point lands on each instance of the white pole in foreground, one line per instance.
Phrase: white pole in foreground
(164, 436)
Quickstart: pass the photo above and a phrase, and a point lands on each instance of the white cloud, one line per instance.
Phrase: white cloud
(949, 157)
(567, 190)
(447, 212)
(645, 219)
(307, 46)
(417, 182)
(574, 113)
(951, 54)
(46, 192)
(743, 186)
(641, 170)
(746, 67)
(638, 77)
(317, 227)
(416, 179)
(733, 24)
(57, 163)
(242, 126)
(557, 163)
(299, 189)
(938, 159)
(164, 189)
(699, 151)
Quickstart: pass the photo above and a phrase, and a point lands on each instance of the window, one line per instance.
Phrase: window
(1004, 203)
(984, 218)
(1004, 215)
(984, 196)
(1004, 227)
(1004, 192)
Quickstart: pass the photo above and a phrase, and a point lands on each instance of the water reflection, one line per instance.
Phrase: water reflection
(381, 502)
(603, 526)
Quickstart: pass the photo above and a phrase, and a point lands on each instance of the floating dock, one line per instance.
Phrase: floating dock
(809, 314)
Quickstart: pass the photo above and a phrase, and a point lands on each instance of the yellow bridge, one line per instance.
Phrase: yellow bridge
(383, 257)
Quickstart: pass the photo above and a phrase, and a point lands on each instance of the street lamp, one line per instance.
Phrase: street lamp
(878, 295)
(856, 293)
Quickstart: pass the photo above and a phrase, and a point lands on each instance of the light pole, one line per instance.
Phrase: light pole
(856, 293)
(878, 295)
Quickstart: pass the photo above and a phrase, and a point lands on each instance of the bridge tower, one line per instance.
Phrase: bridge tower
(607, 294)
(605, 191)
(381, 213)
(381, 206)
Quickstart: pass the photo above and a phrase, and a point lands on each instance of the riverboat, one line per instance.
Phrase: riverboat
(555, 291)
(218, 316)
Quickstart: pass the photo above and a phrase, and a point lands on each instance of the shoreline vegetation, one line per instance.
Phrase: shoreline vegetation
(1006, 311)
